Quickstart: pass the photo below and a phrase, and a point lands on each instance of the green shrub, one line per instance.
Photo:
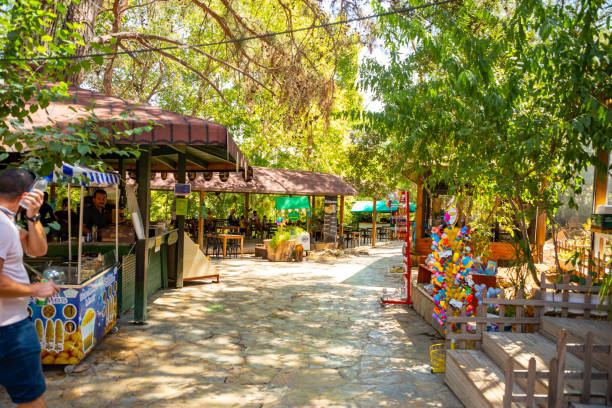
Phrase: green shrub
(284, 234)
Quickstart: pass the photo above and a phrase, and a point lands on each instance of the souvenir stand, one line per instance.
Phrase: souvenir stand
(403, 229)
(72, 322)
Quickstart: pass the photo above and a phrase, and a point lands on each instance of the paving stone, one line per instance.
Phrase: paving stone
(308, 334)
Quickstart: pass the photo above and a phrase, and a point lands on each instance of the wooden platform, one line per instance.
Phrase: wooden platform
(522, 347)
(477, 376)
(576, 333)
(475, 379)
(423, 304)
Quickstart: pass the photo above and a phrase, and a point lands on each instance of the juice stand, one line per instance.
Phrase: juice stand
(72, 322)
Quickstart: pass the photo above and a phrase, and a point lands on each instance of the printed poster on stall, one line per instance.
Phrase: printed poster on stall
(402, 216)
(77, 318)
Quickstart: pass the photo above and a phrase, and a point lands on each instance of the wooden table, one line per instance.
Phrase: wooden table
(352, 235)
(234, 228)
(225, 237)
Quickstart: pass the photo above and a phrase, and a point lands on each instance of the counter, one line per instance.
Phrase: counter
(72, 322)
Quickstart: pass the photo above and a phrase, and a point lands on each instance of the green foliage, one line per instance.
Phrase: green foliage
(284, 234)
(280, 97)
(505, 102)
(28, 85)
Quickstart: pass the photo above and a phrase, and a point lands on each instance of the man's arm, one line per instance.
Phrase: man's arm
(12, 289)
(34, 240)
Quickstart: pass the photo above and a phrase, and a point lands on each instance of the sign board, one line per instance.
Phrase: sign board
(73, 321)
(182, 189)
(452, 212)
(172, 238)
(401, 217)
(157, 244)
(181, 206)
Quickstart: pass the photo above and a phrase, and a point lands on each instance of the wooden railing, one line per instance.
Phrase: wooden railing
(586, 264)
(551, 298)
(557, 376)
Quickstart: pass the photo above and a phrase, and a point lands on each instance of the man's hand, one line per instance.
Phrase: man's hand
(34, 200)
(43, 290)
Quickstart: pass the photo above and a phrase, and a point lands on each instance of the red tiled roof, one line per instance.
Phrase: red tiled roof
(172, 129)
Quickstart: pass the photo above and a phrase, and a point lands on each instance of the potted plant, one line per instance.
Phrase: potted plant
(282, 244)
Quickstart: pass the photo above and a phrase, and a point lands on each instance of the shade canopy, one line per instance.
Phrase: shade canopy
(88, 176)
(266, 180)
(381, 207)
(207, 145)
(292, 203)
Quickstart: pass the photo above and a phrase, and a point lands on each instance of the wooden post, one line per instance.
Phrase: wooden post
(180, 225)
(509, 379)
(600, 191)
(201, 222)
(374, 224)
(246, 212)
(143, 167)
(341, 216)
(600, 181)
(418, 217)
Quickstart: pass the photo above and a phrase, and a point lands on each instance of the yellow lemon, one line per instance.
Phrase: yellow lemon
(61, 360)
(48, 360)
(73, 360)
(63, 355)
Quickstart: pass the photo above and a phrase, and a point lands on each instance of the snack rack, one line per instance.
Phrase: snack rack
(72, 322)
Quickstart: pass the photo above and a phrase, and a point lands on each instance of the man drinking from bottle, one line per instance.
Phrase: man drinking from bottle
(20, 366)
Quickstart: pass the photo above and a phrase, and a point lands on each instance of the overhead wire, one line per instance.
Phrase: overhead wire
(233, 40)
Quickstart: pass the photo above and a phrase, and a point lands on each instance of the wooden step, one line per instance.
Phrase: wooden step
(475, 379)
(577, 330)
(523, 346)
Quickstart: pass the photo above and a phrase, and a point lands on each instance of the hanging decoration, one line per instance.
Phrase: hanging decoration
(451, 262)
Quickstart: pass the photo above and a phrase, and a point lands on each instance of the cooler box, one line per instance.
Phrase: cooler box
(303, 239)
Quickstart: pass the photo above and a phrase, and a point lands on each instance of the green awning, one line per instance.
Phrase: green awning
(381, 207)
(292, 203)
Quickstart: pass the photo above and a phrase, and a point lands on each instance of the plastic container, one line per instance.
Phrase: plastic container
(40, 185)
(437, 354)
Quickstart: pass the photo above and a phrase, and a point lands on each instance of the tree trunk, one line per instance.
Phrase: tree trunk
(84, 13)
(527, 254)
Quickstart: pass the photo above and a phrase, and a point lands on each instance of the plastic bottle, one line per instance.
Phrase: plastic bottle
(42, 301)
(40, 185)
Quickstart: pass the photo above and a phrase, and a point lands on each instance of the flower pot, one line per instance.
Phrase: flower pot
(282, 253)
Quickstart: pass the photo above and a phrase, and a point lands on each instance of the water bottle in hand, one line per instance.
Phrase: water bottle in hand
(40, 185)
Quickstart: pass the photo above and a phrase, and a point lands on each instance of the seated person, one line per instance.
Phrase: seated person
(209, 225)
(242, 224)
(231, 219)
(95, 214)
(255, 222)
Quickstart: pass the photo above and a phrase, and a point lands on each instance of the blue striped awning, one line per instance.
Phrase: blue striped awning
(91, 177)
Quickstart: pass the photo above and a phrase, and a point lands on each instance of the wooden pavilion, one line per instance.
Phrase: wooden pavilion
(176, 144)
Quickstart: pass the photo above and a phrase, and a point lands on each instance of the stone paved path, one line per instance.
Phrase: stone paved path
(270, 335)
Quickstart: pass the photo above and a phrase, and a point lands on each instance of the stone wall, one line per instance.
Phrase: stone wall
(330, 220)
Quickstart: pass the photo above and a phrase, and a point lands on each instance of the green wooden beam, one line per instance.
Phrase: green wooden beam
(142, 245)
(180, 224)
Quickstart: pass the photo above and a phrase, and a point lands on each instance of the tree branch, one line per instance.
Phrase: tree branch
(189, 67)
(138, 36)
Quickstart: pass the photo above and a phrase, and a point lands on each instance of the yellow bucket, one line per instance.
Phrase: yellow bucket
(437, 354)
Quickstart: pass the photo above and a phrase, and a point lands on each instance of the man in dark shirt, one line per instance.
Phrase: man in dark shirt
(46, 211)
(232, 220)
(94, 215)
